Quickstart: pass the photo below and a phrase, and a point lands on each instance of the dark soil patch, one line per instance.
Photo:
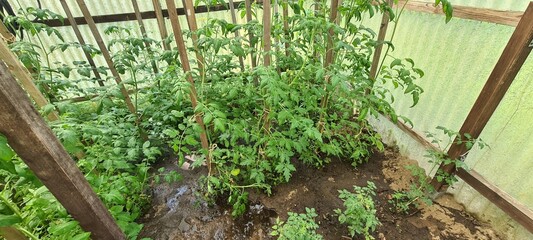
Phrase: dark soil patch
(178, 213)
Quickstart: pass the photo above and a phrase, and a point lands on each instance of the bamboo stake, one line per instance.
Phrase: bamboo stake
(105, 53)
(237, 35)
(248, 6)
(77, 32)
(161, 23)
(193, 26)
(143, 32)
(173, 14)
(25, 79)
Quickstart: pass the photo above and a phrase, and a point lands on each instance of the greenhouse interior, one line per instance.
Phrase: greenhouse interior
(253, 119)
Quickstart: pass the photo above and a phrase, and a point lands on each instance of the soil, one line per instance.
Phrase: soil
(178, 213)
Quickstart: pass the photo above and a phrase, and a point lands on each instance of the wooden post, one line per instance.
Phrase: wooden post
(285, 6)
(234, 21)
(39, 148)
(248, 7)
(503, 74)
(143, 33)
(193, 26)
(267, 41)
(81, 41)
(24, 76)
(178, 35)
(105, 53)
(6, 34)
(381, 37)
(11, 233)
(161, 23)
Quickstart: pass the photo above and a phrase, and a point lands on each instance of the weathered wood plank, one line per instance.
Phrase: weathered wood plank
(516, 210)
(6, 34)
(81, 40)
(510, 18)
(24, 76)
(31, 138)
(11, 233)
(503, 74)
(105, 53)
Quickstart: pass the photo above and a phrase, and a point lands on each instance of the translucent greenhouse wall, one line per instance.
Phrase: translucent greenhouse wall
(457, 58)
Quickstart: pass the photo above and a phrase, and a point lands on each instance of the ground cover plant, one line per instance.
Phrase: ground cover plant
(258, 120)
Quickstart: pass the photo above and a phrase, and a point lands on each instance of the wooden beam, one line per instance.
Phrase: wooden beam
(381, 38)
(178, 35)
(25, 79)
(6, 34)
(105, 53)
(516, 210)
(131, 16)
(81, 40)
(267, 29)
(31, 138)
(285, 6)
(193, 26)
(513, 57)
(161, 23)
(11, 233)
(237, 35)
(510, 18)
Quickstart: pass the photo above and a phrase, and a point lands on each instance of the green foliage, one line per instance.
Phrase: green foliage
(297, 227)
(360, 211)
(420, 190)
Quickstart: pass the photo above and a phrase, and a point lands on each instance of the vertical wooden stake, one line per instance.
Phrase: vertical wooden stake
(513, 57)
(234, 21)
(248, 6)
(29, 135)
(381, 37)
(105, 53)
(77, 32)
(178, 35)
(24, 76)
(333, 19)
(267, 23)
(285, 6)
(193, 26)
(161, 23)
(143, 32)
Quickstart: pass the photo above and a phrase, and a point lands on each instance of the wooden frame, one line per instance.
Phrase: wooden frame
(31, 138)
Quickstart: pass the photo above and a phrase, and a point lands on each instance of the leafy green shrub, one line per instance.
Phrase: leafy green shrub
(297, 227)
(360, 212)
